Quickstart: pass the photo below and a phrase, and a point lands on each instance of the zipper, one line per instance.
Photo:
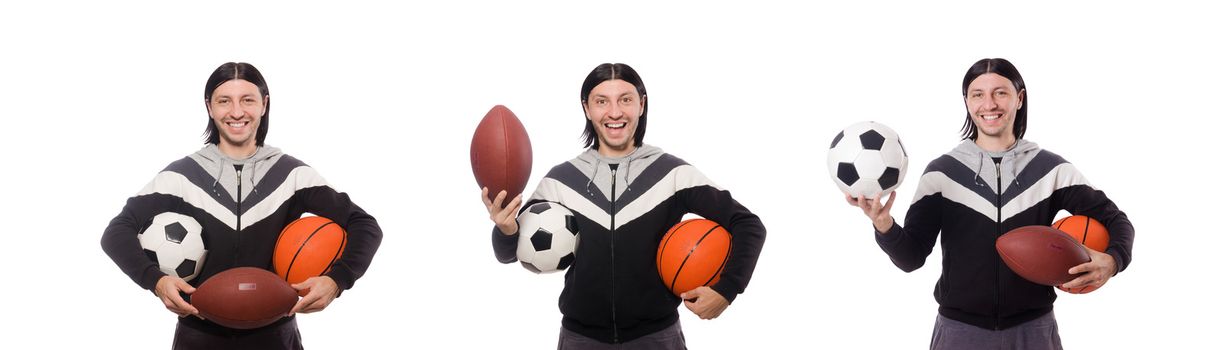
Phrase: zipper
(612, 245)
(238, 214)
(999, 230)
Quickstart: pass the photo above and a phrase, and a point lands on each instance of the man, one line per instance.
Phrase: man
(991, 183)
(625, 195)
(242, 193)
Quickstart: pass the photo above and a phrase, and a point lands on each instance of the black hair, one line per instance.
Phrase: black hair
(606, 72)
(230, 71)
(1007, 70)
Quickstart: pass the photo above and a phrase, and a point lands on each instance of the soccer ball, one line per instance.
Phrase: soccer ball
(867, 158)
(174, 242)
(548, 233)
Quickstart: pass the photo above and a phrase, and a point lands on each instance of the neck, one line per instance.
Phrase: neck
(237, 151)
(995, 143)
(616, 153)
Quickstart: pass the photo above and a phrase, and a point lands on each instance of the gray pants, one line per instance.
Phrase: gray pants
(669, 338)
(1041, 333)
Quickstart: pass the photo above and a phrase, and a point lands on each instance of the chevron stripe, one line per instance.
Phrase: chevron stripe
(175, 184)
(551, 189)
(937, 182)
(681, 177)
(299, 178)
(1061, 176)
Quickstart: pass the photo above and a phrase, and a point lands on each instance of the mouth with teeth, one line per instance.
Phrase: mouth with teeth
(237, 126)
(991, 119)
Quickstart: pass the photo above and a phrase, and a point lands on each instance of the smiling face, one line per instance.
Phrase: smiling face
(237, 108)
(613, 108)
(992, 102)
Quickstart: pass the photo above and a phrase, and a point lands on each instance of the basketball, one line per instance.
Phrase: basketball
(307, 248)
(501, 154)
(692, 254)
(1041, 254)
(1087, 231)
(244, 298)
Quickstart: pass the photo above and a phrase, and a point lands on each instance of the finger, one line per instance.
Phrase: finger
(508, 213)
(692, 306)
(182, 305)
(485, 198)
(317, 305)
(851, 200)
(1078, 282)
(1082, 268)
(497, 200)
(513, 206)
(892, 196)
(183, 286)
(863, 204)
(300, 305)
(878, 201)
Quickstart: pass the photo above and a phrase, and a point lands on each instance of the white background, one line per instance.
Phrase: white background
(97, 97)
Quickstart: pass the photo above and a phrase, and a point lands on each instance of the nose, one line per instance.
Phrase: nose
(615, 111)
(991, 104)
(235, 111)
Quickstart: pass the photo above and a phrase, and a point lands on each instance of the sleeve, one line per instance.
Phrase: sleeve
(119, 238)
(908, 246)
(748, 232)
(1085, 200)
(364, 233)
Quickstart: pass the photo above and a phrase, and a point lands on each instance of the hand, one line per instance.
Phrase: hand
(705, 302)
(871, 207)
(321, 290)
(1096, 272)
(504, 218)
(168, 288)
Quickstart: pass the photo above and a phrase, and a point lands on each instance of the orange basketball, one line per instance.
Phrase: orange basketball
(1087, 231)
(692, 254)
(307, 248)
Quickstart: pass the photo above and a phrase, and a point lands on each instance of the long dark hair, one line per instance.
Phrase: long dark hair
(1007, 70)
(230, 71)
(606, 72)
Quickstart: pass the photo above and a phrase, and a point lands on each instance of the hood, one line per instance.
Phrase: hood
(225, 174)
(1013, 160)
(600, 174)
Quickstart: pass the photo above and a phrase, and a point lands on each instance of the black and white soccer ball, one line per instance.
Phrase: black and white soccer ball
(548, 233)
(175, 243)
(867, 158)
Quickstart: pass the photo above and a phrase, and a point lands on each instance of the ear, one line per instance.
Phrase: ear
(209, 108)
(1020, 99)
(264, 113)
(643, 107)
(586, 114)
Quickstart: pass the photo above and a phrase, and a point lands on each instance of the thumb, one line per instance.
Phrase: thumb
(1078, 269)
(688, 295)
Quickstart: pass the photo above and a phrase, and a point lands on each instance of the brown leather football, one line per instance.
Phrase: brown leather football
(244, 298)
(1041, 254)
(501, 153)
